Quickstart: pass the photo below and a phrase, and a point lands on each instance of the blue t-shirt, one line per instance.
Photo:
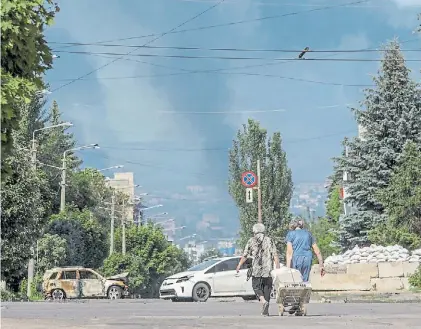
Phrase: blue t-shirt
(302, 242)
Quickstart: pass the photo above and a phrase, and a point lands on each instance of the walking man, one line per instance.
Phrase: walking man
(264, 254)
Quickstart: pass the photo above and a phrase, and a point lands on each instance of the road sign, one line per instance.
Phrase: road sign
(249, 179)
(249, 195)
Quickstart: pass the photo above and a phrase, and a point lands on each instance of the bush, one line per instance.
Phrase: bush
(387, 234)
(415, 279)
(9, 296)
(36, 289)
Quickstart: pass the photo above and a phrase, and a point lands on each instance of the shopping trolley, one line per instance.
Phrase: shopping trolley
(292, 294)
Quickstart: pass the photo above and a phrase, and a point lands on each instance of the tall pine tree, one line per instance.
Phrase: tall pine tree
(390, 116)
(52, 143)
(252, 144)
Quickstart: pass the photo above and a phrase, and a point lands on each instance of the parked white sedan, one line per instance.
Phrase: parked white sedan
(215, 277)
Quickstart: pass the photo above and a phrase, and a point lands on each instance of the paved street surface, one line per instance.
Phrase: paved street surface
(215, 314)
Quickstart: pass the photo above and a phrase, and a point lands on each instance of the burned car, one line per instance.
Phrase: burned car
(79, 282)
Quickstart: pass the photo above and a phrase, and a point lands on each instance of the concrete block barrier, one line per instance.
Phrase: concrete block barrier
(391, 270)
(381, 277)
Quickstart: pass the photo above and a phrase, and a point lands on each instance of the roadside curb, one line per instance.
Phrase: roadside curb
(391, 298)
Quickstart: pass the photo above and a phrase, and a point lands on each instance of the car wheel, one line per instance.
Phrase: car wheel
(115, 292)
(249, 298)
(201, 292)
(58, 294)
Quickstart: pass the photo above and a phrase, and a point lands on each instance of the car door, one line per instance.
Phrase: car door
(69, 282)
(248, 288)
(91, 283)
(226, 280)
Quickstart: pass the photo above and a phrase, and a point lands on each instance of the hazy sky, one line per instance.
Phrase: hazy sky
(136, 109)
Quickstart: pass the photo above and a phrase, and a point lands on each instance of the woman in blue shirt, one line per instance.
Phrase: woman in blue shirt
(300, 247)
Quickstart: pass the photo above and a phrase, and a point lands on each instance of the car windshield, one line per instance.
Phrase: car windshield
(204, 265)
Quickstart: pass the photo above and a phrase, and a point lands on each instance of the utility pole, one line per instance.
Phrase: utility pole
(112, 223)
(31, 262)
(34, 153)
(259, 195)
(63, 185)
(123, 229)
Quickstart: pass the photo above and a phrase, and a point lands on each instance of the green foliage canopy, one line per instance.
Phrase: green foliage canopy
(250, 145)
(149, 259)
(25, 57)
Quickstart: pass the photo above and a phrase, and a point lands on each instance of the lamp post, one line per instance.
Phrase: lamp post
(147, 208)
(31, 263)
(63, 172)
(123, 224)
(34, 144)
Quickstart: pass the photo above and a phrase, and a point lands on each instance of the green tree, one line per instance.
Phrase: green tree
(390, 118)
(52, 251)
(131, 263)
(22, 215)
(149, 259)
(25, 56)
(87, 242)
(402, 197)
(387, 234)
(402, 202)
(51, 145)
(87, 189)
(334, 205)
(213, 252)
(276, 182)
(325, 233)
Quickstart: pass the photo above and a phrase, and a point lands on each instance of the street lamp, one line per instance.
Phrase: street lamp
(109, 168)
(151, 207)
(187, 237)
(34, 150)
(162, 214)
(164, 221)
(34, 164)
(63, 172)
(148, 208)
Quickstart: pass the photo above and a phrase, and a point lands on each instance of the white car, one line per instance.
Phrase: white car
(215, 277)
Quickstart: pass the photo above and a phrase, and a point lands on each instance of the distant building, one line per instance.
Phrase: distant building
(124, 183)
(194, 250)
(226, 248)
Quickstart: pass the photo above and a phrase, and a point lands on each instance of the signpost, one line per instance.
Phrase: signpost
(249, 195)
(249, 180)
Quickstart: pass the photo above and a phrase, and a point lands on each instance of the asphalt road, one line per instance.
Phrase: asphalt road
(215, 314)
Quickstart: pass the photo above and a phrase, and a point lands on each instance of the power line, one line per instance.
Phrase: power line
(222, 112)
(228, 73)
(234, 58)
(296, 51)
(147, 43)
(213, 71)
(242, 21)
(283, 4)
(224, 149)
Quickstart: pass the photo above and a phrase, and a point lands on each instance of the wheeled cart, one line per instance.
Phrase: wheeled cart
(293, 298)
(292, 294)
